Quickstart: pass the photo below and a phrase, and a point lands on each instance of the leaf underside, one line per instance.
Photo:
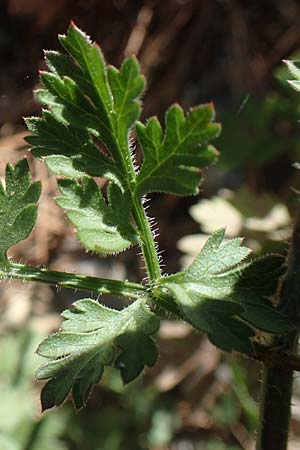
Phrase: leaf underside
(227, 298)
(92, 337)
(102, 227)
(18, 207)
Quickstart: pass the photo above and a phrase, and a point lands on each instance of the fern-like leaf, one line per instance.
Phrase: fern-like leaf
(92, 337)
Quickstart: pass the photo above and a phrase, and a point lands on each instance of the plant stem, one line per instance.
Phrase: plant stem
(74, 281)
(147, 242)
(278, 381)
(275, 406)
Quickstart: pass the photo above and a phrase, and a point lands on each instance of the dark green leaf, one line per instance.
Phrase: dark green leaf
(84, 94)
(218, 294)
(172, 161)
(69, 151)
(18, 206)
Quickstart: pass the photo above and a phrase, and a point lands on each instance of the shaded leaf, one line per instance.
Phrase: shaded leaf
(219, 293)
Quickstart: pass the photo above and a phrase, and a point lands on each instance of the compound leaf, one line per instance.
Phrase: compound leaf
(93, 336)
(18, 206)
(101, 227)
(172, 161)
(225, 297)
(90, 99)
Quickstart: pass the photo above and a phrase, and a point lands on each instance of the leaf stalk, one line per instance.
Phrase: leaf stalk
(147, 242)
(73, 281)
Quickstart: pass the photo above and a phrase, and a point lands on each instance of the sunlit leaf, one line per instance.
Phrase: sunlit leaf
(93, 336)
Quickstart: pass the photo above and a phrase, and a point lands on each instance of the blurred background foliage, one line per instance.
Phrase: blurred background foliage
(192, 51)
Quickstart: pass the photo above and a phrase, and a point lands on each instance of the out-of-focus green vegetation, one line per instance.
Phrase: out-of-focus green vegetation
(21, 426)
(260, 128)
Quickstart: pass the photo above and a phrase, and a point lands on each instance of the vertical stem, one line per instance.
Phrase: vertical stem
(147, 241)
(275, 407)
(277, 381)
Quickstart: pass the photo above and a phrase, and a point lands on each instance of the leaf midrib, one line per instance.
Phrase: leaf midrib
(169, 155)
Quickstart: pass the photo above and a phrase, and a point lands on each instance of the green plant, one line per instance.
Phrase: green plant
(85, 132)
(21, 428)
(268, 122)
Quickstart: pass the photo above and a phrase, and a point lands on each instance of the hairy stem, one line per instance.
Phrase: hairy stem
(277, 386)
(278, 381)
(73, 281)
(147, 242)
